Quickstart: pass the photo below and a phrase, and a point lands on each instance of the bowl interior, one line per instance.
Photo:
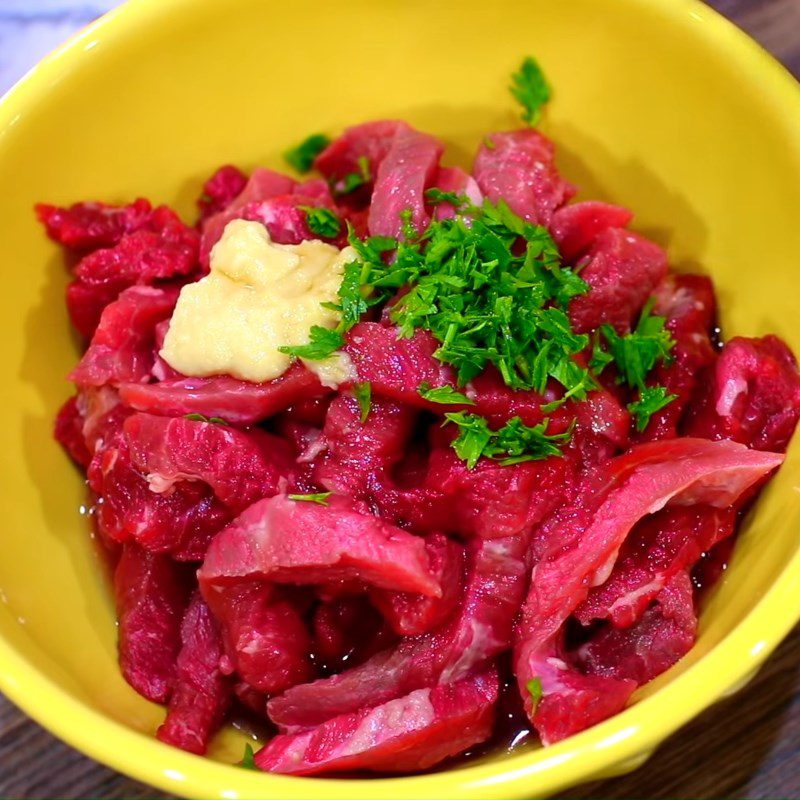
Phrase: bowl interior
(659, 107)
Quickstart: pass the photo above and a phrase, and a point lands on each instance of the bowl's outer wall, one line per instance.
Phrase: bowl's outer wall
(659, 106)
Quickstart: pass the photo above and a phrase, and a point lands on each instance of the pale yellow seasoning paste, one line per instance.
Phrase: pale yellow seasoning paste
(258, 296)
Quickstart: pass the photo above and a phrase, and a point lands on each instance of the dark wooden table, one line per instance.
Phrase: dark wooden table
(746, 747)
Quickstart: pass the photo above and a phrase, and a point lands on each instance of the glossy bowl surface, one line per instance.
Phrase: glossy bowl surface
(660, 105)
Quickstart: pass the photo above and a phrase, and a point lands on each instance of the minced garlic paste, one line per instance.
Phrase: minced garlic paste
(258, 297)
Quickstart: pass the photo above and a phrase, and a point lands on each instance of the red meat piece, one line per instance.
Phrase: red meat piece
(660, 546)
(689, 305)
(167, 249)
(102, 414)
(251, 700)
(122, 348)
(220, 190)
(575, 227)
(602, 427)
(347, 631)
(263, 184)
(202, 693)
(151, 594)
(358, 453)
(236, 401)
(400, 183)
(752, 396)
(414, 614)
(585, 539)
(68, 431)
(397, 367)
(88, 226)
(239, 467)
(300, 542)
(266, 641)
(162, 371)
(665, 633)
(518, 167)
(454, 179)
(622, 270)
(407, 734)
(480, 630)
(370, 141)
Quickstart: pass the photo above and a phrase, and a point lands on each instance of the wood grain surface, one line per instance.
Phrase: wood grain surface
(745, 747)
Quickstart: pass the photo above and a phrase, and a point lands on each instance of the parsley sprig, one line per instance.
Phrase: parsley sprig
(302, 157)
(322, 221)
(320, 498)
(530, 88)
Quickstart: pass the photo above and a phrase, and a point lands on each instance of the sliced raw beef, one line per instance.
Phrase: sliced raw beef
(88, 226)
(239, 467)
(585, 540)
(266, 641)
(365, 144)
(622, 269)
(410, 733)
(400, 183)
(751, 396)
(122, 348)
(220, 190)
(357, 454)
(262, 185)
(518, 167)
(575, 227)
(664, 635)
(454, 179)
(480, 631)
(151, 594)
(237, 402)
(661, 546)
(689, 305)
(68, 431)
(292, 541)
(415, 614)
(202, 693)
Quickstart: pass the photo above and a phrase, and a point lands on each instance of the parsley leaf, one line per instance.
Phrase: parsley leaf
(435, 196)
(322, 343)
(651, 400)
(534, 687)
(530, 89)
(514, 443)
(248, 762)
(636, 353)
(322, 221)
(443, 394)
(203, 418)
(321, 498)
(354, 180)
(302, 157)
(363, 394)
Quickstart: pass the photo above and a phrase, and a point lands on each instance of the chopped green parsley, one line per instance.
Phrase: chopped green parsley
(302, 157)
(322, 221)
(531, 90)
(321, 498)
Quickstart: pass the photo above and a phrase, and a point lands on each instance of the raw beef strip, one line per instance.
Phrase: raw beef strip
(88, 226)
(239, 467)
(265, 638)
(202, 693)
(400, 183)
(622, 269)
(122, 348)
(585, 540)
(575, 227)
(661, 545)
(518, 167)
(689, 305)
(151, 594)
(454, 179)
(751, 396)
(480, 630)
(220, 190)
(403, 735)
(290, 541)
(236, 401)
(68, 431)
(415, 614)
(357, 453)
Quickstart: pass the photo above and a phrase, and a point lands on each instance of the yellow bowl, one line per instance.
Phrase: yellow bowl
(659, 105)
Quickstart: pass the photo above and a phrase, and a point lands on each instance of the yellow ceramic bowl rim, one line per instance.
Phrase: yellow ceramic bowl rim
(617, 745)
